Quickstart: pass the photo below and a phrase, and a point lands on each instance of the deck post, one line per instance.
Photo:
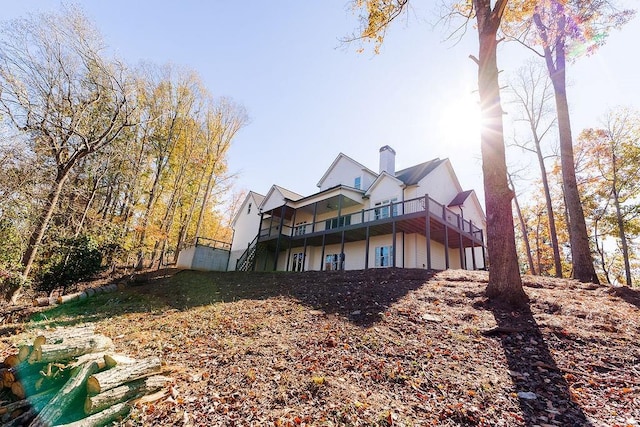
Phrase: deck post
(473, 246)
(463, 261)
(315, 212)
(446, 237)
(342, 257)
(366, 250)
(322, 256)
(428, 229)
(393, 239)
(304, 255)
(275, 255)
(484, 253)
(293, 229)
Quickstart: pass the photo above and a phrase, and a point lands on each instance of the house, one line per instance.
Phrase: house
(418, 217)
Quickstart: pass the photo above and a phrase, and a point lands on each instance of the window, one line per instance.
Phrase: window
(357, 183)
(300, 229)
(383, 210)
(249, 209)
(337, 222)
(384, 256)
(298, 262)
(334, 262)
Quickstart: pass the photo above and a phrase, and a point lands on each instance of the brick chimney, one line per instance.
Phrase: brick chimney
(388, 160)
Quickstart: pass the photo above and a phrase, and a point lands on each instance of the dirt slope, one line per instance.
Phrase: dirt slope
(377, 347)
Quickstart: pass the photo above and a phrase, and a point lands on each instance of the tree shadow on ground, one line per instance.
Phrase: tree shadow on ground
(543, 393)
(631, 296)
(361, 296)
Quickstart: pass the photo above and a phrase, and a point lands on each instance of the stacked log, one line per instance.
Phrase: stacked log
(43, 382)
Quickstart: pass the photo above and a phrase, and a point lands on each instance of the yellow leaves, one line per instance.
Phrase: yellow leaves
(250, 375)
(318, 380)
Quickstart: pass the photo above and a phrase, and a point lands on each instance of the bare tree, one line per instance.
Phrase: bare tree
(533, 94)
(58, 90)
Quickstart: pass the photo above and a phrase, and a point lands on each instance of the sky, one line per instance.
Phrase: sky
(310, 97)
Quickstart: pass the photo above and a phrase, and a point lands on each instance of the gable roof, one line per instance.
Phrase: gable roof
(460, 198)
(380, 178)
(288, 194)
(258, 198)
(335, 162)
(413, 174)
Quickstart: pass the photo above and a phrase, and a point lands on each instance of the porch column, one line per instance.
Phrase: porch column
(393, 238)
(484, 249)
(342, 256)
(366, 250)
(293, 229)
(463, 261)
(473, 246)
(322, 255)
(315, 212)
(260, 225)
(446, 237)
(270, 223)
(428, 230)
(277, 252)
(304, 255)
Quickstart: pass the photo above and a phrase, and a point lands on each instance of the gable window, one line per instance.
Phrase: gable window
(249, 209)
(382, 209)
(334, 262)
(384, 256)
(298, 262)
(337, 222)
(357, 183)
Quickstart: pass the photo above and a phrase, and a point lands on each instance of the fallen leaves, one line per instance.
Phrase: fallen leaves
(347, 349)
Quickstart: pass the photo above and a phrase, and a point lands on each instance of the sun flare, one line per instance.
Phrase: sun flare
(459, 122)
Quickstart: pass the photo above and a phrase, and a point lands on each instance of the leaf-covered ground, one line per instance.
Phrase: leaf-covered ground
(377, 347)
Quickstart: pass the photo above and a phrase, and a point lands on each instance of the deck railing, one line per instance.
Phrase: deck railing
(391, 210)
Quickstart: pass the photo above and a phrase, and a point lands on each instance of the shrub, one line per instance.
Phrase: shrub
(10, 281)
(10, 249)
(75, 260)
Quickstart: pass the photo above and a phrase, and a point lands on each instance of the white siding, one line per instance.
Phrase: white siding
(275, 199)
(440, 185)
(245, 230)
(344, 172)
(386, 189)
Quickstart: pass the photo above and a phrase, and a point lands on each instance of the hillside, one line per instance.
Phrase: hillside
(376, 347)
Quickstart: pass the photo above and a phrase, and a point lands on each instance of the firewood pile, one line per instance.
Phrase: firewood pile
(72, 377)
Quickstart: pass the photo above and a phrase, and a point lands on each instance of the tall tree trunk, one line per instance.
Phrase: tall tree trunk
(523, 227)
(583, 268)
(87, 206)
(547, 196)
(600, 250)
(41, 227)
(505, 284)
(622, 234)
(205, 200)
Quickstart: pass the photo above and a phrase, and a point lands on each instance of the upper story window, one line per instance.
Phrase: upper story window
(300, 229)
(249, 209)
(337, 222)
(382, 208)
(357, 183)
